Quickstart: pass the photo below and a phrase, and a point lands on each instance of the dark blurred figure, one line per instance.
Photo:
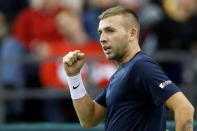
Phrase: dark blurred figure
(178, 29)
(90, 15)
(14, 108)
(12, 7)
(33, 28)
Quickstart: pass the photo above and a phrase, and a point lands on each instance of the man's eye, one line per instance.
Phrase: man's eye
(110, 30)
(99, 33)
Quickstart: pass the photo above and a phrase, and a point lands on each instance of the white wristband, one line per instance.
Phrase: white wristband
(77, 89)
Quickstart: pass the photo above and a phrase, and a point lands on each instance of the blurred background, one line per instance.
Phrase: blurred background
(36, 34)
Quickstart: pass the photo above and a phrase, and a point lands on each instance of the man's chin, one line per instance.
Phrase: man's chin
(109, 57)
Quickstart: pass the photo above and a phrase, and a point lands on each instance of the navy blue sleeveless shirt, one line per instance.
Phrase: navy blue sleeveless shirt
(135, 96)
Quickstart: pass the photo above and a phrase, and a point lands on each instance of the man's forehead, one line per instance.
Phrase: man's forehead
(110, 22)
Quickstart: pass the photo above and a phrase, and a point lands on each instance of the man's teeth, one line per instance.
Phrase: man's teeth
(106, 48)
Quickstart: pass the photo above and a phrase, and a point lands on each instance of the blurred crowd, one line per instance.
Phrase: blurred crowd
(35, 34)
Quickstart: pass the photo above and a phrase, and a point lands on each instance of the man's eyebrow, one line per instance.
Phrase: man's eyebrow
(106, 28)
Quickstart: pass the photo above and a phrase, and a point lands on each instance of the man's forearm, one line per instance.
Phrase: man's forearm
(89, 112)
(185, 126)
(183, 111)
(85, 110)
(84, 107)
(184, 121)
(188, 125)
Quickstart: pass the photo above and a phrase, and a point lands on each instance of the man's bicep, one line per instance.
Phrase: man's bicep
(99, 112)
(176, 100)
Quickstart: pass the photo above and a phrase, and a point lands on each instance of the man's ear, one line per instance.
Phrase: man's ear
(133, 33)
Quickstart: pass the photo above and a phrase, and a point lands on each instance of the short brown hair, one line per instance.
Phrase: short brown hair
(120, 10)
(117, 10)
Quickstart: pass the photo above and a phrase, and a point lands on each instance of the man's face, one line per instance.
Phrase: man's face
(114, 38)
(65, 19)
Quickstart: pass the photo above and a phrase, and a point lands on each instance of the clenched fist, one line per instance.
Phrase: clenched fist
(73, 62)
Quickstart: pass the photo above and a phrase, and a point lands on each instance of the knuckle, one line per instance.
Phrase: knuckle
(66, 61)
(70, 53)
(70, 63)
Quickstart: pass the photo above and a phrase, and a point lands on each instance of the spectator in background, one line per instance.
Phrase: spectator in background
(35, 26)
(177, 31)
(90, 15)
(70, 26)
(33, 29)
(75, 5)
(51, 70)
(14, 109)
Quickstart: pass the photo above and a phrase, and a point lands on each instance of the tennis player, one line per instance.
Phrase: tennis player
(137, 93)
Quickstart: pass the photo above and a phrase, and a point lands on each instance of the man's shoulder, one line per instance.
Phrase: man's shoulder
(143, 57)
(144, 64)
(140, 59)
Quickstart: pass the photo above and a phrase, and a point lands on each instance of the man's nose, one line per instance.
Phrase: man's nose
(103, 38)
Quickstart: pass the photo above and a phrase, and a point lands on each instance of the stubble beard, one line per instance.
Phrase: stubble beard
(113, 57)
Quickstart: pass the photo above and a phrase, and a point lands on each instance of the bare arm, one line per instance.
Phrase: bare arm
(88, 111)
(183, 111)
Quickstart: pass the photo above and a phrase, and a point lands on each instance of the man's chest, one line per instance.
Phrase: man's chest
(122, 88)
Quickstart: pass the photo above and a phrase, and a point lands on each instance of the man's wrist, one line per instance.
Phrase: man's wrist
(72, 74)
(77, 89)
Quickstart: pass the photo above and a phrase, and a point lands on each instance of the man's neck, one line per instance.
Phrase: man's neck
(132, 52)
